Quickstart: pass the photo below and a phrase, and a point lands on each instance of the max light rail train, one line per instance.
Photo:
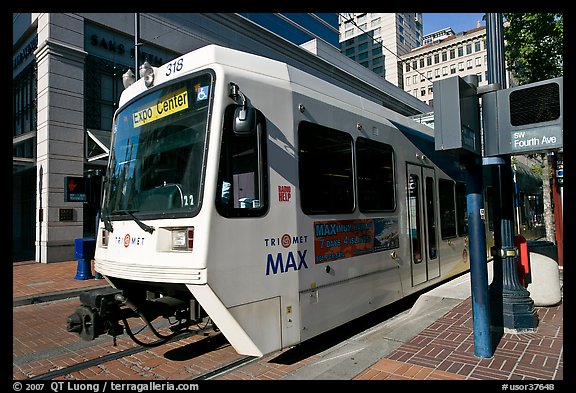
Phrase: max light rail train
(280, 206)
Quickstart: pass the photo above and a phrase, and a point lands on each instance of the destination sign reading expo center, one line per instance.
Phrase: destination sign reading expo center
(165, 106)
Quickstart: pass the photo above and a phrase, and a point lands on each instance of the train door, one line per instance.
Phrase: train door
(422, 223)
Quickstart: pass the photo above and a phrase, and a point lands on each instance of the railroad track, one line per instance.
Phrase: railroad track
(128, 352)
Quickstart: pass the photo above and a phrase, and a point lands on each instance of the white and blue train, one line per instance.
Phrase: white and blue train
(279, 205)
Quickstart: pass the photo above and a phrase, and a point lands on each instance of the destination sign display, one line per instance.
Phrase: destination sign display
(165, 106)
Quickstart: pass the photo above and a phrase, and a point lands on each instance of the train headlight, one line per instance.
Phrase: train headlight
(182, 238)
(147, 72)
(105, 236)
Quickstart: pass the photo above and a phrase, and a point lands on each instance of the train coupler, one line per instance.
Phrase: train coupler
(99, 313)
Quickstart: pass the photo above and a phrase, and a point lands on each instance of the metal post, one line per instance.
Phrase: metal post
(511, 305)
(517, 201)
(478, 265)
(477, 246)
(137, 45)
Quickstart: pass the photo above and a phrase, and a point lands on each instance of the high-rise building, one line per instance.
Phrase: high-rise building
(446, 55)
(299, 28)
(377, 40)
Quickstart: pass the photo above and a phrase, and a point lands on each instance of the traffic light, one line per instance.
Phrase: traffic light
(524, 119)
(83, 189)
(75, 189)
(456, 116)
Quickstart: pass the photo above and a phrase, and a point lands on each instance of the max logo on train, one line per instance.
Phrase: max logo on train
(275, 265)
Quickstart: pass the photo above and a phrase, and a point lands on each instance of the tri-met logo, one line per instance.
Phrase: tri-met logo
(128, 240)
(281, 262)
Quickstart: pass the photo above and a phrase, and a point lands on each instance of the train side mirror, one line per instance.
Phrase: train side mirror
(244, 120)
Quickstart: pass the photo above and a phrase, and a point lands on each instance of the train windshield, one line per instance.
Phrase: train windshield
(157, 153)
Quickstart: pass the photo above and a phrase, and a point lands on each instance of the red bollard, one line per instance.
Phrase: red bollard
(523, 260)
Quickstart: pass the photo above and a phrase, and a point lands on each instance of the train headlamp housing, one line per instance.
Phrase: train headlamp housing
(147, 73)
(182, 239)
(105, 237)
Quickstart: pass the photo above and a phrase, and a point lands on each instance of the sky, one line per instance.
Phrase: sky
(458, 22)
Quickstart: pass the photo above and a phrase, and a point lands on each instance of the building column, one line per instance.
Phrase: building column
(60, 133)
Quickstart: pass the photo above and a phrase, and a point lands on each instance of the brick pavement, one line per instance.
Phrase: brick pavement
(442, 351)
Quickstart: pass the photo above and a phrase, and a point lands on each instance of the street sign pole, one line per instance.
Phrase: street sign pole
(511, 306)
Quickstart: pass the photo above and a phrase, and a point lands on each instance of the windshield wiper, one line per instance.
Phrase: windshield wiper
(147, 228)
(107, 223)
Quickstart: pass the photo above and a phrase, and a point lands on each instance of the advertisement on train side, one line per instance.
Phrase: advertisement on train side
(349, 238)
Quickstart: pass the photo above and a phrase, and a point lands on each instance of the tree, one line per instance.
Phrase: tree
(534, 46)
(534, 52)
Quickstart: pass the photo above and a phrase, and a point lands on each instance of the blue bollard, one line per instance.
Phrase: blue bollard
(84, 251)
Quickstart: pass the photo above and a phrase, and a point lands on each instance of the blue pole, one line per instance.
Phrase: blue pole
(478, 262)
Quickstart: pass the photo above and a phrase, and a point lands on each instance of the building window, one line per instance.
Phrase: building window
(469, 63)
(362, 56)
(407, 66)
(422, 63)
(461, 66)
(375, 22)
(477, 46)
(429, 61)
(460, 51)
(24, 104)
(444, 56)
(478, 61)
(377, 51)
(452, 68)
(422, 92)
(437, 73)
(468, 49)
(429, 74)
(452, 54)
(415, 64)
(24, 109)
(415, 79)
(444, 70)
(407, 81)
(102, 88)
(436, 58)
